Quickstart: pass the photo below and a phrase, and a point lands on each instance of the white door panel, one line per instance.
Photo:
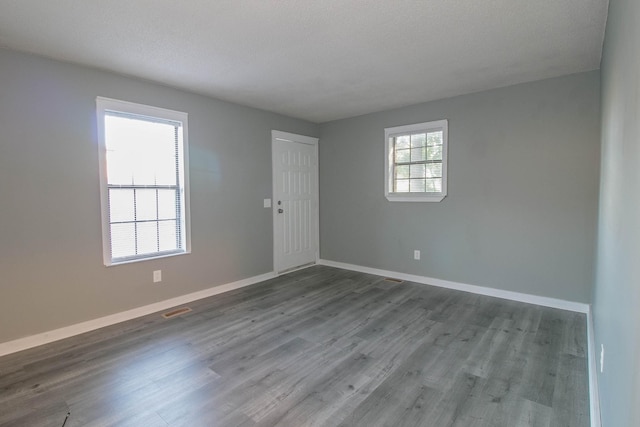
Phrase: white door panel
(295, 197)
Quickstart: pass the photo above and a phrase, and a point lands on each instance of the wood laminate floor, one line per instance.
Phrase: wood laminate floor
(322, 347)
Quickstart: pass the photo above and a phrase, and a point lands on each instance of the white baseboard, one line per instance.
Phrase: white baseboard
(594, 394)
(594, 399)
(90, 325)
(481, 290)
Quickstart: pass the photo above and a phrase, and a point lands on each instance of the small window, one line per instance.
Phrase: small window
(416, 162)
(143, 181)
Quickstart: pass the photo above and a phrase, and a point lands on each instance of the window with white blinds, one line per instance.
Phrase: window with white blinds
(144, 181)
(416, 162)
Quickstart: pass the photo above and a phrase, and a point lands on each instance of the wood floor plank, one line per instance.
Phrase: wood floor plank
(324, 395)
(568, 407)
(539, 376)
(293, 382)
(316, 347)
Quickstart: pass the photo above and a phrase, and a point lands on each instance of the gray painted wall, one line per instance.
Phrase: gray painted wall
(617, 288)
(521, 209)
(50, 240)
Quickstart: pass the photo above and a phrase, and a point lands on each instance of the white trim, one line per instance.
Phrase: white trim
(317, 153)
(418, 197)
(480, 290)
(442, 125)
(292, 137)
(90, 325)
(111, 104)
(107, 104)
(294, 269)
(302, 139)
(594, 393)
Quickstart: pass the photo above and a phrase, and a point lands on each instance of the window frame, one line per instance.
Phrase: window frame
(426, 127)
(106, 105)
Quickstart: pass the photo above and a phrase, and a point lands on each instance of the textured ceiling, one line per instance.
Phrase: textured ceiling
(316, 59)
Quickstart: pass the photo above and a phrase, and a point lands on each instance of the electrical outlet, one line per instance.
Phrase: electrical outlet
(266, 203)
(601, 358)
(157, 276)
(416, 254)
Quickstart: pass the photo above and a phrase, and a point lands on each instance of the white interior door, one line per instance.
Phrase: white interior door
(295, 200)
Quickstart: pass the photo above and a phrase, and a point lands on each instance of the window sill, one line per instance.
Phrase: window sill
(405, 197)
(149, 258)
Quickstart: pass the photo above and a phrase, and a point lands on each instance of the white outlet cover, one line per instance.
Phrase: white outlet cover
(157, 276)
(267, 203)
(416, 254)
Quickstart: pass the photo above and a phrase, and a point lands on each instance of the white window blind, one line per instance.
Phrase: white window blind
(416, 158)
(144, 178)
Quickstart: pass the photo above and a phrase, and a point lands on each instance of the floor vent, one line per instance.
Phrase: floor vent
(176, 312)
(389, 279)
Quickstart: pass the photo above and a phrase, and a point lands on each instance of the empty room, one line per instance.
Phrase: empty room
(320, 213)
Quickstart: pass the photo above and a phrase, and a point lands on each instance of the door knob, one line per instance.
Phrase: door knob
(280, 211)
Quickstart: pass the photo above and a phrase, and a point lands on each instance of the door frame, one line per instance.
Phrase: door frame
(300, 139)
